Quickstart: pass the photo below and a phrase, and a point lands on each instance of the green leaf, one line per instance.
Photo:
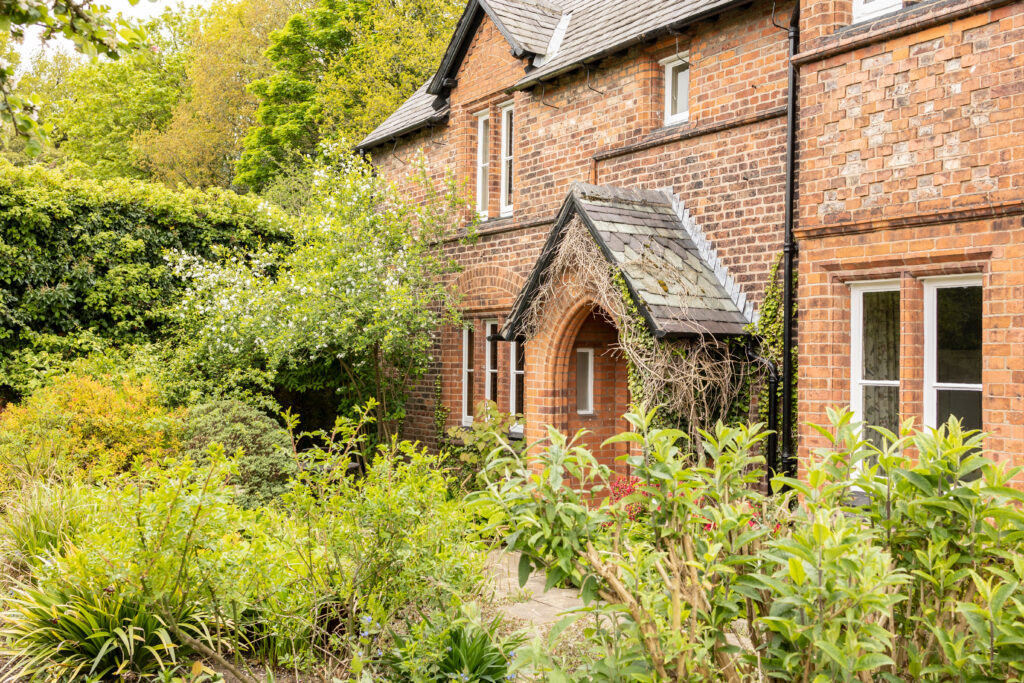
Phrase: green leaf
(525, 567)
(796, 571)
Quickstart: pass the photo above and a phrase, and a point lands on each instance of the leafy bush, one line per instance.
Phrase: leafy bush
(890, 567)
(468, 448)
(464, 649)
(38, 521)
(96, 427)
(289, 584)
(67, 633)
(266, 463)
(80, 256)
(384, 545)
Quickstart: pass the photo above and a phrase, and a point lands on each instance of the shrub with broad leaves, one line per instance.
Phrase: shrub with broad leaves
(882, 563)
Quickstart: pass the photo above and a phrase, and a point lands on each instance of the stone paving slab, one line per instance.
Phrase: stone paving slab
(539, 608)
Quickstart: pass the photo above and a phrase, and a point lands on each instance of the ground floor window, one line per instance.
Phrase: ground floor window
(517, 382)
(585, 381)
(953, 355)
(491, 360)
(467, 375)
(953, 359)
(875, 357)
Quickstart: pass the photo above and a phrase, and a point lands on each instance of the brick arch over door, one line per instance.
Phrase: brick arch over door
(570, 322)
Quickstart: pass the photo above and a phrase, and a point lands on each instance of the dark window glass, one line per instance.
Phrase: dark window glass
(964, 405)
(882, 409)
(881, 335)
(520, 393)
(958, 335)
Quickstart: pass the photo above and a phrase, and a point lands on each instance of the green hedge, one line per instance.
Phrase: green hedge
(84, 258)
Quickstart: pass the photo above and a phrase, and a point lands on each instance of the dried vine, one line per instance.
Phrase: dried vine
(694, 381)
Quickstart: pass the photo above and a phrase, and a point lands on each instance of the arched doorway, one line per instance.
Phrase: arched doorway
(597, 386)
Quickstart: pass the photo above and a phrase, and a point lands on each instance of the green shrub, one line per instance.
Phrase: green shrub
(95, 427)
(894, 564)
(468, 448)
(39, 521)
(71, 633)
(88, 257)
(266, 463)
(464, 648)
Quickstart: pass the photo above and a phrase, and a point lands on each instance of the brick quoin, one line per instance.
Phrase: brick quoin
(911, 166)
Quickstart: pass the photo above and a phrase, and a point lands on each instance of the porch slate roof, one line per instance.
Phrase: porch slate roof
(669, 278)
(595, 29)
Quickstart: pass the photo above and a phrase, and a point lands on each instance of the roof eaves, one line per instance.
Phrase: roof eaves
(370, 143)
(540, 75)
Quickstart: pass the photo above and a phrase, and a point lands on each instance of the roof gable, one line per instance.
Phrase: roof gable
(527, 25)
(678, 292)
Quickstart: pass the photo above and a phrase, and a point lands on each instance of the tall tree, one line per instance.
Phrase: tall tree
(288, 118)
(85, 23)
(109, 105)
(203, 139)
(340, 69)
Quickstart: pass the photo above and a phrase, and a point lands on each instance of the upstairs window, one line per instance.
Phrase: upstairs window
(467, 375)
(483, 162)
(491, 379)
(953, 350)
(507, 155)
(677, 89)
(875, 355)
(865, 10)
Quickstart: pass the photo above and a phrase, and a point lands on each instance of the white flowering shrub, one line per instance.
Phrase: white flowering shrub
(359, 290)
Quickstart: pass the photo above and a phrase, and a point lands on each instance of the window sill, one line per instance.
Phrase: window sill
(467, 422)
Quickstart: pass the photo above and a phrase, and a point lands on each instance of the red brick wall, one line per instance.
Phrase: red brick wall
(605, 124)
(912, 165)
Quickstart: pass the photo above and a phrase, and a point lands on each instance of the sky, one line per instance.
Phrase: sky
(145, 9)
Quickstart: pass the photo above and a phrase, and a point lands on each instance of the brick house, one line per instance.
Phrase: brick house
(682, 136)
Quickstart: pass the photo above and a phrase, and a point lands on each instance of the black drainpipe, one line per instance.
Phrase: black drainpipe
(789, 463)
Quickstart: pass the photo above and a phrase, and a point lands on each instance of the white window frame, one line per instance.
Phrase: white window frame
(931, 386)
(589, 409)
(513, 375)
(505, 157)
(482, 168)
(467, 376)
(670, 84)
(490, 361)
(857, 383)
(865, 10)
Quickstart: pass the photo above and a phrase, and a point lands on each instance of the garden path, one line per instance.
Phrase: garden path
(540, 609)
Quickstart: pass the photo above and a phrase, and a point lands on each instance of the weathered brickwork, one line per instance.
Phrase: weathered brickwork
(912, 166)
(602, 124)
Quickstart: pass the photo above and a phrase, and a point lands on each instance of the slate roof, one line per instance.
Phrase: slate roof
(530, 21)
(596, 28)
(602, 27)
(677, 286)
(416, 112)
